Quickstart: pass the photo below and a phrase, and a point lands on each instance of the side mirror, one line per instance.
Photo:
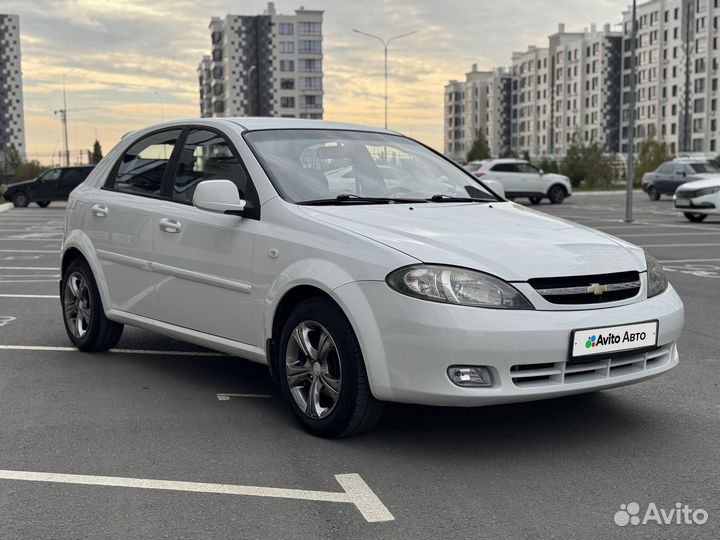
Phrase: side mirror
(496, 186)
(683, 174)
(541, 172)
(220, 196)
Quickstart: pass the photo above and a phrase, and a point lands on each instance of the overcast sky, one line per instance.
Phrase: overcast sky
(127, 55)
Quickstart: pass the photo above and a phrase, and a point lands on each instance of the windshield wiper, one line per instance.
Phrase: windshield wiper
(351, 198)
(449, 198)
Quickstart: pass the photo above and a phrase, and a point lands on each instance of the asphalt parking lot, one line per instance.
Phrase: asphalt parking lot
(235, 465)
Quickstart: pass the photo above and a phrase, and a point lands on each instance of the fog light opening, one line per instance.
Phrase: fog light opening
(470, 376)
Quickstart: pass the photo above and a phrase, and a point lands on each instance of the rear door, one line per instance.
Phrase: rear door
(509, 176)
(679, 177)
(70, 179)
(206, 257)
(121, 222)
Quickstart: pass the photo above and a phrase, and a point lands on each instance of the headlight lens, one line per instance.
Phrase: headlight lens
(706, 191)
(657, 282)
(460, 286)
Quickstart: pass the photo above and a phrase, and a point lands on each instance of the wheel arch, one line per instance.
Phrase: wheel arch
(78, 245)
(284, 307)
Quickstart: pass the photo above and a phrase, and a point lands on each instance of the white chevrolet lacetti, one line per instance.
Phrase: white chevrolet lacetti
(360, 266)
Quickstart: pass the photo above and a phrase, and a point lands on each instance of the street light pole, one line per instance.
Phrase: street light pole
(386, 44)
(631, 119)
(162, 105)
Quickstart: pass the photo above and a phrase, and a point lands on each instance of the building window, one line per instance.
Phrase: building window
(310, 46)
(287, 47)
(287, 65)
(285, 29)
(310, 102)
(311, 83)
(287, 102)
(287, 84)
(309, 28)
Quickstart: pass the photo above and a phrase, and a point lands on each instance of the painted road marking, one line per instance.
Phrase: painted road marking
(226, 397)
(29, 268)
(697, 270)
(115, 351)
(689, 260)
(53, 296)
(676, 245)
(5, 319)
(12, 239)
(356, 491)
(648, 235)
(29, 251)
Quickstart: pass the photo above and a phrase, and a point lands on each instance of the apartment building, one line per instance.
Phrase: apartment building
(12, 123)
(264, 65)
(530, 125)
(478, 105)
(677, 74)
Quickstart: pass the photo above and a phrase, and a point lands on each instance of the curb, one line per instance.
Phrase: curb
(5, 207)
(606, 192)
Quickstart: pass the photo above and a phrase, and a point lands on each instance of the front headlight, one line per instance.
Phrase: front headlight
(706, 191)
(451, 285)
(657, 282)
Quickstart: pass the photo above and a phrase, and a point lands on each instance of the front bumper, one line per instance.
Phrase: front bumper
(706, 204)
(408, 344)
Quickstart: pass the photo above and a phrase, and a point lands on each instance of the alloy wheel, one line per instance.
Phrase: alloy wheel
(313, 370)
(76, 303)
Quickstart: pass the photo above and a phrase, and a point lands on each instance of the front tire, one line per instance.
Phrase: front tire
(21, 199)
(43, 204)
(83, 315)
(556, 194)
(694, 217)
(535, 200)
(322, 372)
(653, 193)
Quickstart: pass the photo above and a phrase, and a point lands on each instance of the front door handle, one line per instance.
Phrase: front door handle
(170, 225)
(100, 210)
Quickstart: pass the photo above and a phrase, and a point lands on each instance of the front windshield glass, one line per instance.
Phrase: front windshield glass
(704, 167)
(316, 165)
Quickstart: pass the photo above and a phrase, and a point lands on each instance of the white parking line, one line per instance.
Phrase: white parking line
(226, 397)
(29, 268)
(10, 239)
(676, 245)
(688, 261)
(29, 251)
(647, 235)
(49, 348)
(356, 491)
(53, 296)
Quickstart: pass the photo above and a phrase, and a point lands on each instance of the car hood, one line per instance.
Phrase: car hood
(708, 180)
(18, 184)
(503, 239)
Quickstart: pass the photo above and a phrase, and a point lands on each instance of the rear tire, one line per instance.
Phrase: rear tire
(694, 217)
(21, 199)
(653, 194)
(322, 372)
(535, 200)
(556, 194)
(43, 204)
(83, 315)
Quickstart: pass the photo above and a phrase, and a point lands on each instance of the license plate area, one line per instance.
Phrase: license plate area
(593, 343)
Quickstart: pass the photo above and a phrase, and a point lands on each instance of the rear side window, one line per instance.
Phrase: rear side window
(206, 155)
(666, 168)
(142, 167)
(505, 167)
(74, 177)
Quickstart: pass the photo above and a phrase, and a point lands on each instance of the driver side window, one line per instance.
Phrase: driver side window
(51, 175)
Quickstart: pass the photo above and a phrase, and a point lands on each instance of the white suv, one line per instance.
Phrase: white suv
(360, 266)
(523, 179)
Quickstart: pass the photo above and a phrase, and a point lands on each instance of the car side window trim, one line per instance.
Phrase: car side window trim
(252, 197)
(109, 184)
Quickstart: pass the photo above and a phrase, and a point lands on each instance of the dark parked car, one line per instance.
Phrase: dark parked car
(52, 185)
(672, 174)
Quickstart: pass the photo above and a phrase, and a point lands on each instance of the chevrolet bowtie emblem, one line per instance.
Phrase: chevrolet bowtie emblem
(597, 289)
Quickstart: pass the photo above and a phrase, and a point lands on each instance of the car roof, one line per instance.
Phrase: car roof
(503, 160)
(252, 123)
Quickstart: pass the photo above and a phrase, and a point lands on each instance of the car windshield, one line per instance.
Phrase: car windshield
(312, 165)
(704, 167)
(474, 166)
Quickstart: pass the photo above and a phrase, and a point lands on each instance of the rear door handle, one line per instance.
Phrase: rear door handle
(100, 210)
(170, 225)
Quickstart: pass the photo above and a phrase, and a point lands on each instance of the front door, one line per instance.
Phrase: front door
(206, 257)
(47, 187)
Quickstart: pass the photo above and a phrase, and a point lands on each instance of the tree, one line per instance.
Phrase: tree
(590, 164)
(479, 150)
(29, 170)
(97, 154)
(526, 156)
(717, 160)
(572, 164)
(548, 165)
(508, 153)
(651, 154)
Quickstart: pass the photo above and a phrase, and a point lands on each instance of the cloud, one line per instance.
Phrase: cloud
(121, 52)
